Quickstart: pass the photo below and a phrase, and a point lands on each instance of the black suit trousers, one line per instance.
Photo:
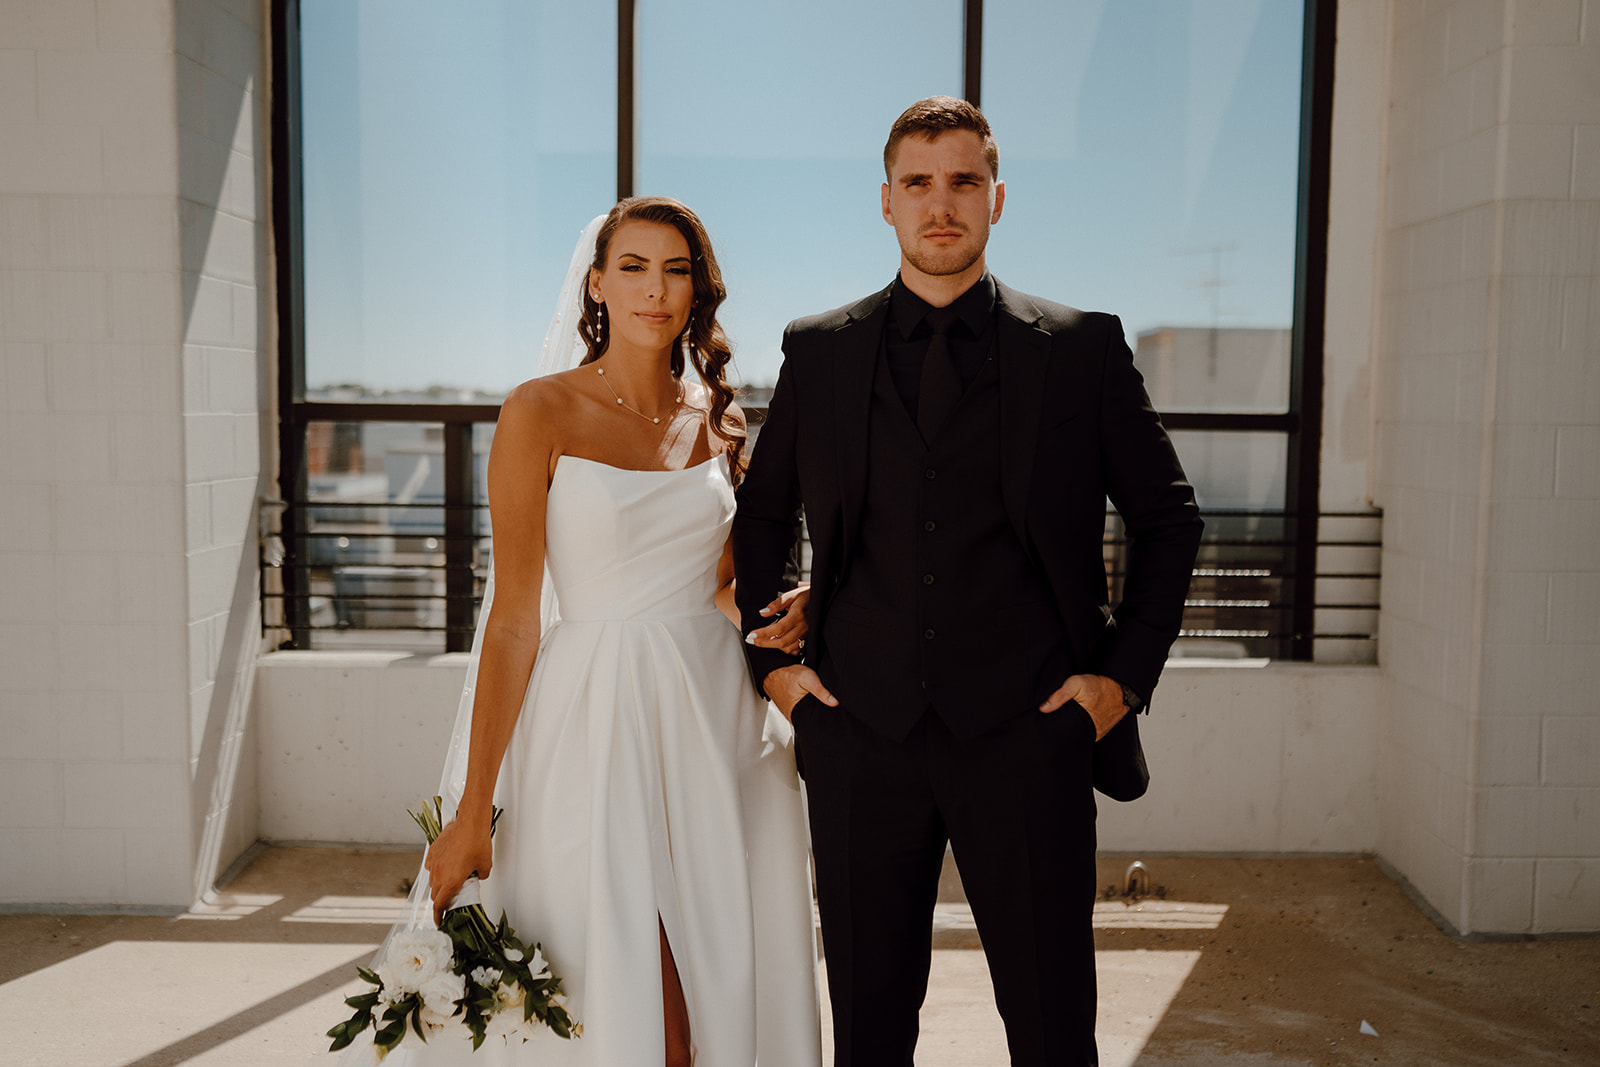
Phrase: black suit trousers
(1017, 808)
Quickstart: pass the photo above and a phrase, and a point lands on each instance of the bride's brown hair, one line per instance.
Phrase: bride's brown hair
(707, 344)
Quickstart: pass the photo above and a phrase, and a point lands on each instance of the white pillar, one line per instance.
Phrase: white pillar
(1488, 465)
(133, 270)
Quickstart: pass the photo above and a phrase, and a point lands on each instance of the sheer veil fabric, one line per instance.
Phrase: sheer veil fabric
(562, 350)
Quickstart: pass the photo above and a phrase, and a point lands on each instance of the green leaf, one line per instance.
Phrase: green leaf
(369, 976)
(390, 1035)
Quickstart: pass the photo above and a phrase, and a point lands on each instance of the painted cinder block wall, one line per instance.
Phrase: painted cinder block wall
(1487, 465)
(133, 249)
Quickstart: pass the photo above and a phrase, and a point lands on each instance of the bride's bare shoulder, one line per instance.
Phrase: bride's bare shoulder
(549, 400)
(534, 417)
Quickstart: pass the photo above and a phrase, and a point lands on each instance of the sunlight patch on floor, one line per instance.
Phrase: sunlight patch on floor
(212, 995)
(1158, 915)
(1113, 915)
(381, 910)
(1136, 989)
(962, 1028)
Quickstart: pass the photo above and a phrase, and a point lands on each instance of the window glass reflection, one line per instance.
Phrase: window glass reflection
(1234, 469)
(1151, 156)
(452, 152)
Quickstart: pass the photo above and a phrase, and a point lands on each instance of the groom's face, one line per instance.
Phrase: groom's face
(941, 199)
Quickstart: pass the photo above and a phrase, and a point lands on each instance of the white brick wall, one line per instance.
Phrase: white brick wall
(1487, 404)
(111, 549)
(1275, 759)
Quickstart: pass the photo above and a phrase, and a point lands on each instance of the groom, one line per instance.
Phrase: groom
(953, 443)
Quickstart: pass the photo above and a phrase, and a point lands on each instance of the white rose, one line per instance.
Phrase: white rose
(440, 993)
(413, 958)
(538, 966)
(487, 977)
(510, 1026)
(435, 1021)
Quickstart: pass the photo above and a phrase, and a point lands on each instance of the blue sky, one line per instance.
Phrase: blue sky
(452, 153)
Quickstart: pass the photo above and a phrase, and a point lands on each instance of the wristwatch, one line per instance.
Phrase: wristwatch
(1131, 700)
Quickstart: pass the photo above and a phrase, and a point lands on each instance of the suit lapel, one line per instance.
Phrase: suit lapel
(1024, 351)
(855, 357)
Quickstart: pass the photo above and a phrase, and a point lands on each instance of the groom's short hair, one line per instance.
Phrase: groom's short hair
(933, 116)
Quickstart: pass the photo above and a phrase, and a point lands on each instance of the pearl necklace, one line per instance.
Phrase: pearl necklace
(654, 419)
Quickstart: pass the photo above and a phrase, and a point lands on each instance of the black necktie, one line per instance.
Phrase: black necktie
(940, 390)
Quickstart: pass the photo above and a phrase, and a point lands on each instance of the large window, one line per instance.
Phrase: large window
(451, 153)
(1165, 161)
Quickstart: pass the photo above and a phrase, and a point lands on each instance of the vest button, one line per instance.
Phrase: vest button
(927, 635)
(929, 526)
(930, 474)
(927, 579)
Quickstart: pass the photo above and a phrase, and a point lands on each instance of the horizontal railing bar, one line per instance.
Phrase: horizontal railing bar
(1263, 573)
(325, 535)
(365, 597)
(1274, 513)
(1264, 422)
(390, 629)
(309, 505)
(380, 411)
(356, 411)
(1257, 542)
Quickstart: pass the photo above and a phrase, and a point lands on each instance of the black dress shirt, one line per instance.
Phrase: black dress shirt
(971, 339)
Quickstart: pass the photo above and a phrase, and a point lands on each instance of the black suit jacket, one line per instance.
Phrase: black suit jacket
(1076, 429)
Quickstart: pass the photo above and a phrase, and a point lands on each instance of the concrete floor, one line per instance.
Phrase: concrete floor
(1250, 962)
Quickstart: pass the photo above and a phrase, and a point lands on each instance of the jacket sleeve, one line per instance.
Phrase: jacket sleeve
(1146, 484)
(766, 526)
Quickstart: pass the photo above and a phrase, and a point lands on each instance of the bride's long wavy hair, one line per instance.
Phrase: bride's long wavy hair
(706, 344)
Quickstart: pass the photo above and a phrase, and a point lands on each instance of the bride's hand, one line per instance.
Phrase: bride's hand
(459, 852)
(787, 633)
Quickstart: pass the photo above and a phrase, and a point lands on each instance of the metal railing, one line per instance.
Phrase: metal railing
(370, 573)
(1243, 598)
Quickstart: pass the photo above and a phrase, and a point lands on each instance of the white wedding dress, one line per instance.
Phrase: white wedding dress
(646, 778)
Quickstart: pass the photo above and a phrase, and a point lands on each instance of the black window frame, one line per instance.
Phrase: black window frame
(1301, 424)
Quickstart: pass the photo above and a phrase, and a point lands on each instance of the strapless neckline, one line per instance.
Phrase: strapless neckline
(635, 470)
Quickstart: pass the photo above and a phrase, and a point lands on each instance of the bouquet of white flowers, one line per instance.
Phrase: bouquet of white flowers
(470, 975)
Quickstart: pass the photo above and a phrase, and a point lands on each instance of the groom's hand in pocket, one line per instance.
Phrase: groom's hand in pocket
(787, 686)
(1096, 694)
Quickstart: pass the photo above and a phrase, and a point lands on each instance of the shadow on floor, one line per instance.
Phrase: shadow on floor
(1255, 962)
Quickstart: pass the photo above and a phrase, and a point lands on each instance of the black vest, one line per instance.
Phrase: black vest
(941, 605)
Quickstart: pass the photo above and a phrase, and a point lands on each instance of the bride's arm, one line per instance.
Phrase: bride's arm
(787, 631)
(519, 465)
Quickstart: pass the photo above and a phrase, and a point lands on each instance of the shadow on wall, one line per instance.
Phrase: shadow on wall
(225, 265)
(214, 112)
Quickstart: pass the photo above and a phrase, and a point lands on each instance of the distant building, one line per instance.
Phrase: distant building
(1237, 369)
(1197, 368)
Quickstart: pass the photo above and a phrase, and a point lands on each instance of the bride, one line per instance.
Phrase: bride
(653, 837)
